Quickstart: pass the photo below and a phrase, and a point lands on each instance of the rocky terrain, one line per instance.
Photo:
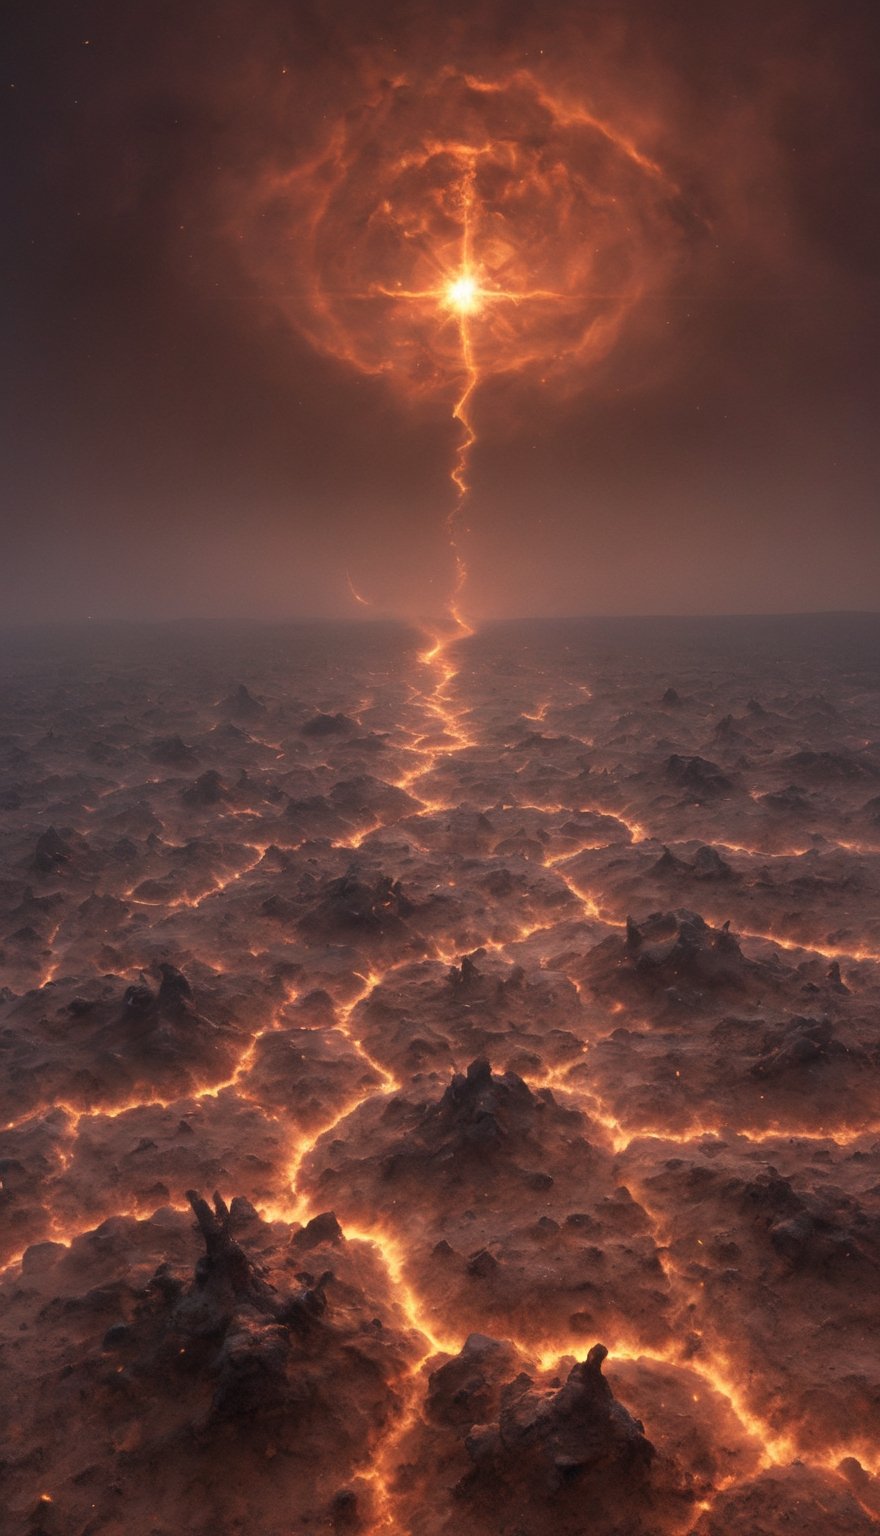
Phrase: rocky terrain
(440, 1081)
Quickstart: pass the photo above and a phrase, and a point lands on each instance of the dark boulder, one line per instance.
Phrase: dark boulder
(700, 779)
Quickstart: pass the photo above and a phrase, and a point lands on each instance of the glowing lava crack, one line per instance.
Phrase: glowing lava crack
(482, 1031)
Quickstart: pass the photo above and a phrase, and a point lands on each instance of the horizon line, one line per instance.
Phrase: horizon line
(85, 622)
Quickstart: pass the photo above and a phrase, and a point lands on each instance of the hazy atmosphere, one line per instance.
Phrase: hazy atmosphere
(213, 406)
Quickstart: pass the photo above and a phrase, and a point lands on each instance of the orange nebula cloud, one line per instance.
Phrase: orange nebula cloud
(461, 228)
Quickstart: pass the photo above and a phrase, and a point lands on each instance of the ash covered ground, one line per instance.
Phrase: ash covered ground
(519, 1001)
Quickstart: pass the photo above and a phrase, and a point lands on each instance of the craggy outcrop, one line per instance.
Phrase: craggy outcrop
(699, 779)
(578, 1431)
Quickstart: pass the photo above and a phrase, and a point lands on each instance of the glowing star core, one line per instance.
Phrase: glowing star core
(463, 294)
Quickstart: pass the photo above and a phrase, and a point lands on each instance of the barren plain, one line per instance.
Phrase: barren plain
(441, 1080)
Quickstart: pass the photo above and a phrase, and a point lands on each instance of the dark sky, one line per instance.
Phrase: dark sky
(174, 444)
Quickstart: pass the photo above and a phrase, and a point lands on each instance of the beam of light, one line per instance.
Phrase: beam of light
(465, 294)
(358, 597)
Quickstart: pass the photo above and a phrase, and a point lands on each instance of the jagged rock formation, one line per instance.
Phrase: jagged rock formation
(242, 705)
(540, 1453)
(699, 779)
(560, 1435)
(350, 904)
(328, 725)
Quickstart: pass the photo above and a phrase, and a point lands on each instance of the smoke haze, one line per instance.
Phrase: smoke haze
(177, 444)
